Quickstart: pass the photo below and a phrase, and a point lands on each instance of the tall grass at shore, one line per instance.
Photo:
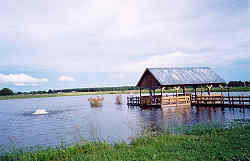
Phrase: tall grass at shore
(197, 143)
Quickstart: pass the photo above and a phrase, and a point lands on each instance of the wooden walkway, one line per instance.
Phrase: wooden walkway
(158, 101)
(205, 100)
(134, 101)
(232, 101)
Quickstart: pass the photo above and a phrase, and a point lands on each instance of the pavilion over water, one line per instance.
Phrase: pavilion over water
(157, 78)
(179, 78)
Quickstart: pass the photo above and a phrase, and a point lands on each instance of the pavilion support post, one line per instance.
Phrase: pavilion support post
(209, 88)
(183, 88)
(150, 97)
(177, 89)
(201, 90)
(150, 92)
(140, 92)
(161, 95)
(195, 93)
(228, 95)
(221, 89)
(153, 96)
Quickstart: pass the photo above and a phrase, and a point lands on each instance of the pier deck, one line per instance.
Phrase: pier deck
(206, 100)
(220, 100)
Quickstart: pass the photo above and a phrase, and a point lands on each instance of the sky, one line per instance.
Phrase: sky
(63, 44)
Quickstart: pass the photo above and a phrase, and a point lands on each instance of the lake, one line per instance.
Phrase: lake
(72, 119)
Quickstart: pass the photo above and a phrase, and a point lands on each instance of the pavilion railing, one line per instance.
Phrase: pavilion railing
(220, 99)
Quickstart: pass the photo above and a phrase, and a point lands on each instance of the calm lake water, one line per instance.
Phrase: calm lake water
(71, 119)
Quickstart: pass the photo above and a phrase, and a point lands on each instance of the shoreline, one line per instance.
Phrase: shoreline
(233, 89)
(200, 143)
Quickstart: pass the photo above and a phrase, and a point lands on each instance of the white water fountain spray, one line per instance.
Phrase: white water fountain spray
(40, 112)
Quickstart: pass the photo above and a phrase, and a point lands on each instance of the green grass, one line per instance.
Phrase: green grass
(60, 94)
(199, 143)
(234, 89)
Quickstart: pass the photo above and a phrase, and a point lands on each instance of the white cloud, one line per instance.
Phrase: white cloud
(66, 79)
(94, 35)
(21, 79)
(180, 59)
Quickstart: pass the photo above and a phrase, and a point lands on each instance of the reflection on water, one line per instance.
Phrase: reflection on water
(173, 117)
(71, 120)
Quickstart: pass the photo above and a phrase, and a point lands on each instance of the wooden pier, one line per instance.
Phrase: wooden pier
(158, 101)
(220, 100)
(205, 100)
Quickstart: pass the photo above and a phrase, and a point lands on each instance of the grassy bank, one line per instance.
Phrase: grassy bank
(62, 94)
(197, 144)
(234, 89)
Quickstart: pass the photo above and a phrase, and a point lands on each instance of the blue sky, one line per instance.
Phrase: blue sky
(72, 44)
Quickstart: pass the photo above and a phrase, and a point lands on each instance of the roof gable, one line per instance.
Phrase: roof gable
(148, 80)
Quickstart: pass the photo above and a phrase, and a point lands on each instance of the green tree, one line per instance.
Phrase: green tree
(6, 92)
(50, 91)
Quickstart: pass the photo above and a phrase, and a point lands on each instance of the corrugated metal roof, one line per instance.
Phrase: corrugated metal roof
(189, 75)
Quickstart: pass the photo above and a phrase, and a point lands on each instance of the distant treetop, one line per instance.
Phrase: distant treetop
(6, 92)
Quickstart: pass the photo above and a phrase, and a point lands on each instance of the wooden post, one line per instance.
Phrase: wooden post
(209, 88)
(183, 88)
(195, 94)
(140, 92)
(201, 90)
(150, 97)
(221, 89)
(228, 95)
(177, 89)
(153, 96)
(161, 91)
(221, 97)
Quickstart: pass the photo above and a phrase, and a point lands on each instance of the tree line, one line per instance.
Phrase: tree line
(7, 91)
(50, 91)
(239, 84)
